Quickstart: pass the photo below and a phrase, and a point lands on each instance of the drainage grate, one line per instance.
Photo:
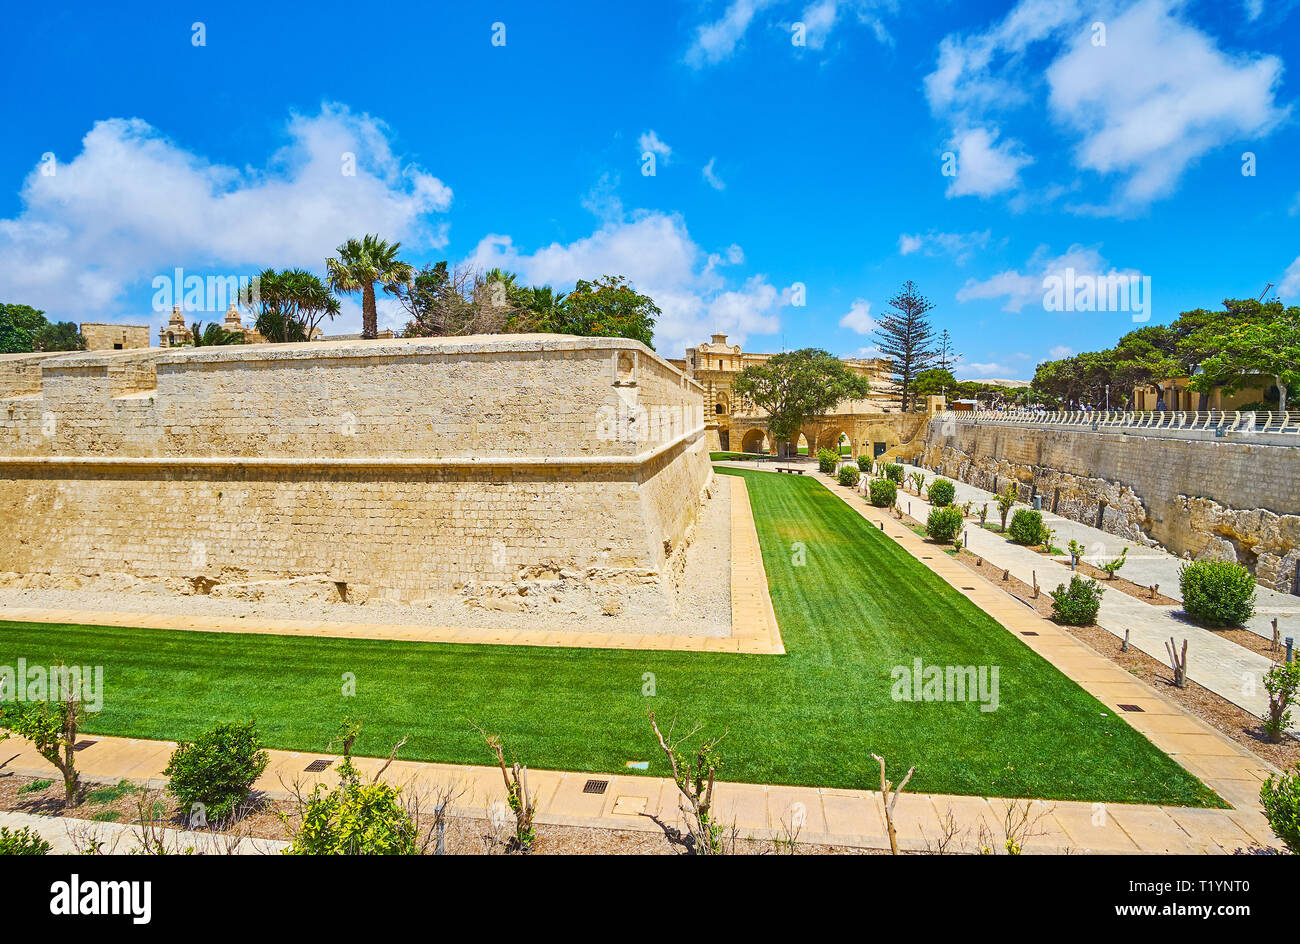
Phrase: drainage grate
(1028, 632)
(1130, 708)
(317, 766)
(968, 588)
(595, 786)
(82, 745)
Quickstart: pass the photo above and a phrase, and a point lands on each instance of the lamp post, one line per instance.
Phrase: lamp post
(1108, 397)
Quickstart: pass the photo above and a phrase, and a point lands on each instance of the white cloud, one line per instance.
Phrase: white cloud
(716, 41)
(711, 178)
(991, 369)
(602, 199)
(1020, 288)
(960, 246)
(1141, 109)
(656, 253)
(649, 143)
(1158, 96)
(1059, 352)
(859, 317)
(133, 204)
(1253, 9)
(984, 167)
(818, 19)
(1289, 290)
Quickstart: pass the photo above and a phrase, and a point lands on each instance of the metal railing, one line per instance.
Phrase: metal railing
(1216, 422)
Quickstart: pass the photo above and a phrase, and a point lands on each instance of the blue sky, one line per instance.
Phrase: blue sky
(776, 164)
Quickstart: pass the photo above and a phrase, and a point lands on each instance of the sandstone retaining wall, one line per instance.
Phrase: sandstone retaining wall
(1232, 500)
(408, 466)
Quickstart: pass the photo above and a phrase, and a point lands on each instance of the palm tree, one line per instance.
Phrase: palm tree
(213, 335)
(290, 304)
(359, 265)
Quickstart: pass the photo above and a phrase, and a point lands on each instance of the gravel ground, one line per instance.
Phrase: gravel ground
(699, 606)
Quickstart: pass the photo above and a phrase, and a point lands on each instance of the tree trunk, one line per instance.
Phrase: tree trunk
(1281, 394)
(369, 319)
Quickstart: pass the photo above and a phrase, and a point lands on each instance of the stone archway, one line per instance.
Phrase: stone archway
(753, 441)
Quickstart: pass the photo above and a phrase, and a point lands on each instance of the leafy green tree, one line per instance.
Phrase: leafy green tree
(425, 298)
(606, 308)
(18, 324)
(906, 337)
(58, 336)
(361, 263)
(51, 726)
(935, 381)
(794, 385)
(1269, 348)
(289, 305)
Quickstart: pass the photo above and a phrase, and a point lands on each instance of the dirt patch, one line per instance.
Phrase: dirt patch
(130, 804)
(1136, 591)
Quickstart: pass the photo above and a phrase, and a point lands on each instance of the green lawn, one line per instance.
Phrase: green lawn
(858, 607)
(725, 456)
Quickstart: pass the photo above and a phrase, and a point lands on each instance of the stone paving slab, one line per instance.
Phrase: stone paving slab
(1232, 672)
(754, 627)
(644, 803)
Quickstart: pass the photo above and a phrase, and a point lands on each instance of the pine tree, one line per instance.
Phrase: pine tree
(906, 337)
(948, 358)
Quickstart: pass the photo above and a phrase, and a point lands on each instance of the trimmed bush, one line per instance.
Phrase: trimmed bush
(1077, 604)
(1217, 593)
(355, 819)
(883, 493)
(827, 460)
(22, 842)
(865, 463)
(942, 492)
(894, 472)
(944, 524)
(1280, 798)
(1027, 527)
(849, 475)
(217, 769)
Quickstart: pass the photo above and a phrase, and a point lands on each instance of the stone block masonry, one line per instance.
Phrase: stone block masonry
(1202, 498)
(408, 466)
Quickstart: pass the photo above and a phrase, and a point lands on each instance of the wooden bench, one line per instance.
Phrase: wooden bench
(791, 471)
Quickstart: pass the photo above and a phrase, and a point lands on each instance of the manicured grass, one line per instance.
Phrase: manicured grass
(858, 606)
(725, 456)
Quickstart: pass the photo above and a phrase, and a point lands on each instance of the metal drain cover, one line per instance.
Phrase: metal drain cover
(1130, 708)
(1028, 632)
(317, 766)
(595, 786)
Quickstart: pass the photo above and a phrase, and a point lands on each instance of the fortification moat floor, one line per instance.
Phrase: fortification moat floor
(700, 604)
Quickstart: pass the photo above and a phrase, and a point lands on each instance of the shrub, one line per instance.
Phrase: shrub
(942, 492)
(22, 842)
(1078, 603)
(849, 475)
(354, 819)
(1217, 593)
(883, 493)
(894, 472)
(1111, 566)
(1281, 683)
(865, 463)
(944, 524)
(827, 460)
(217, 769)
(1027, 527)
(1280, 798)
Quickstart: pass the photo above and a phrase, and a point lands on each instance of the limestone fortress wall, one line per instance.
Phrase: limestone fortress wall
(1234, 497)
(409, 466)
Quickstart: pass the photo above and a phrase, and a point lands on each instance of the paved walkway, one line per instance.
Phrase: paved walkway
(827, 817)
(69, 836)
(1231, 671)
(754, 628)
